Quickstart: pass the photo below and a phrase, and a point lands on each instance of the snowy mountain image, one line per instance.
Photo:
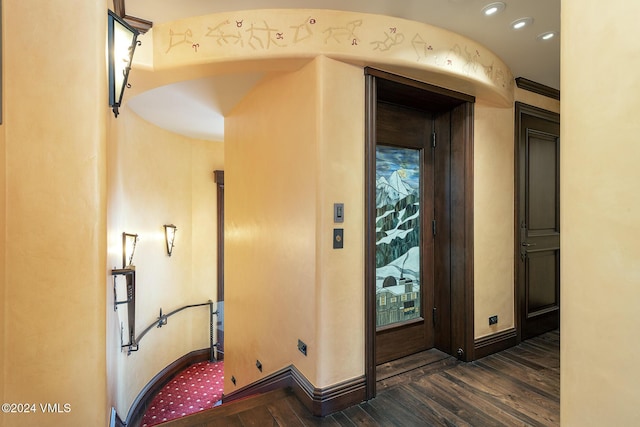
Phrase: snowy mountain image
(397, 218)
(401, 268)
(388, 192)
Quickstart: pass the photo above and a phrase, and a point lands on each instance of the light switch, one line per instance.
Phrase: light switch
(338, 212)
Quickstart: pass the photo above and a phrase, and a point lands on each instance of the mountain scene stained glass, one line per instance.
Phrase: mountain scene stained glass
(397, 235)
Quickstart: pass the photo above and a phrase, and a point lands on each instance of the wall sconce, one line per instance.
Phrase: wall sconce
(122, 42)
(170, 236)
(128, 248)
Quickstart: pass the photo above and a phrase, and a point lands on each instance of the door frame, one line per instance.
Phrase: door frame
(522, 109)
(218, 177)
(455, 331)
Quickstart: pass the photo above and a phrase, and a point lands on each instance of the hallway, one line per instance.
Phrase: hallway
(517, 387)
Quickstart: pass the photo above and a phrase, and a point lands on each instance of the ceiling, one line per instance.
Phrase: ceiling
(196, 108)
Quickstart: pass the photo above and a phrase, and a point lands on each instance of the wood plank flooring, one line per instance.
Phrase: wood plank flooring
(517, 387)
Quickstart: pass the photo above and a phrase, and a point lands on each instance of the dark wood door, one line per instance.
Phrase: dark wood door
(404, 238)
(538, 216)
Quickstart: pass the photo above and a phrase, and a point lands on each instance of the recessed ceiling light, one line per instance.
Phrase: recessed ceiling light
(546, 36)
(493, 8)
(519, 24)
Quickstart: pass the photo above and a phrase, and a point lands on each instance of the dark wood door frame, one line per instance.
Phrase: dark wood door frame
(218, 176)
(454, 165)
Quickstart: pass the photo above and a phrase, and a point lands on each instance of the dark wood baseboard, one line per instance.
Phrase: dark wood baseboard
(496, 342)
(320, 401)
(143, 400)
(279, 379)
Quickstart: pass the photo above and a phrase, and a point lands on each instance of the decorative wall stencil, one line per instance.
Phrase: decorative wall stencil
(219, 32)
(392, 38)
(176, 39)
(303, 31)
(346, 34)
(295, 33)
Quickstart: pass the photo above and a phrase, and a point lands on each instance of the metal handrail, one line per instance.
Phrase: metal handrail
(162, 320)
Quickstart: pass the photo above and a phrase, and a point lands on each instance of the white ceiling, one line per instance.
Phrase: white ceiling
(195, 108)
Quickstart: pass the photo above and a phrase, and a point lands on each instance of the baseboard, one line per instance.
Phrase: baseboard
(144, 398)
(279, 379)
(319, 401)
(325, 401)
(494, 343)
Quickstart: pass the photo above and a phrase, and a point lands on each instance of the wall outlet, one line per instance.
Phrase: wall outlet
(302, 347)
(233, 380)
(259, 365)
(493, 320)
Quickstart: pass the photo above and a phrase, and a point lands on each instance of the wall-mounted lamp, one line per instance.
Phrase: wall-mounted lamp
(121, 43)
(170, 236)
(128, 248)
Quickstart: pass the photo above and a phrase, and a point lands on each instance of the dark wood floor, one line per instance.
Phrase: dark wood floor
(517, 387)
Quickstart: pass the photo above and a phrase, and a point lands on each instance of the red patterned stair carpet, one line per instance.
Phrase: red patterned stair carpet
(196, 388)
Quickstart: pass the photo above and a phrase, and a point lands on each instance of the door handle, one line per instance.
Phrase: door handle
(526, 245)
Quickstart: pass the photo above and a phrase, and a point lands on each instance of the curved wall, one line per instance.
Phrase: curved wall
(156, 177)
(413, 48)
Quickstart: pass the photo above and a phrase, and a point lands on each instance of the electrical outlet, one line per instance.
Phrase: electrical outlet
(302, 347)
(233, 380)
(338, 238)
(259, 365)
(493, 320)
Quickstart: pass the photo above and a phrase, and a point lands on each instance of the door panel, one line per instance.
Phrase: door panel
(541, 292)
(538, 239)
(542, 182)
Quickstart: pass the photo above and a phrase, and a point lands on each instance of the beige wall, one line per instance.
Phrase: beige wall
(155, 178)
(340, 272)
(537, 100)
(54, 147)
(270, 228)
(293, 148)
(493, 218)
(3, 273)
(600, 214)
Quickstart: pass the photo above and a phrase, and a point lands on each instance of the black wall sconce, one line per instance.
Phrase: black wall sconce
(128, 248)
(121, 43)
(170, 236)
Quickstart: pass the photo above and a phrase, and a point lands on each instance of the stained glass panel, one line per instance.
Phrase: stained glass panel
(397, 234)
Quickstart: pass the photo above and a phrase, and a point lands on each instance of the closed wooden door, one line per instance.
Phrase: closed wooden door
(404, 241)
(538, 216)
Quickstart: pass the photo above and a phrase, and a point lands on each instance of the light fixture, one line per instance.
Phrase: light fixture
(493, 8)
(170, 236)
(128, 249)
(121, 43)
(546, 36)
(519, 24)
